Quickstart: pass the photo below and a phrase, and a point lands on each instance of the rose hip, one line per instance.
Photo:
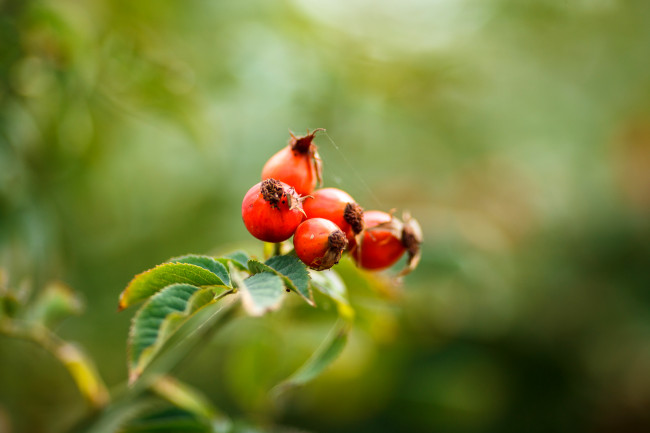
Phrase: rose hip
(272, 210)
(298, 164)
(385, 239)
(319, 243)
(337, 206)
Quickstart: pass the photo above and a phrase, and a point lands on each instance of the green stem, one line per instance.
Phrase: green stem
(137, 398)
(81, 368)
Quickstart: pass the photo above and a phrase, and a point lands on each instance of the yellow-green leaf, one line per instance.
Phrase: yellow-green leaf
(207, 263)
(150, 282)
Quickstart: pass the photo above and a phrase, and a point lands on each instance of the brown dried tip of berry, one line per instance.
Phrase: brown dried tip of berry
(272, 191)
(411, 239)
(353, 215)
(337, 243)
(303, 144)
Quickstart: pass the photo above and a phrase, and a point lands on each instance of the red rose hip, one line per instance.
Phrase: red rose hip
(271, 211)
(385, 239)
(319, 243)
(337, 206)
(298, 164)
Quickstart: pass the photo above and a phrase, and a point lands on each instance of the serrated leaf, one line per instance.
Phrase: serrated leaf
(327, 353)
(198, 300)
(189, 337)
(150, 282)
(255, 266)
(261, 293)
(291, 267)
(331, 285)
(207, 263)
(237, 258)
(292, 271)
(158, 318)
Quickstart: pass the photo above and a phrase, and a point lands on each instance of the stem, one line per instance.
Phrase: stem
(277, 249)
(136, 399)
(79, 366)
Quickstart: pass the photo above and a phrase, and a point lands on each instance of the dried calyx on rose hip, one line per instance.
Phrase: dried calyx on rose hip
(339, 207)
(298, 164)
(319, 243)
(385, 239)
(272, 210)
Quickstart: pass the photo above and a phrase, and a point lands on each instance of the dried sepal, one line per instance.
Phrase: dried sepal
(304, 144)
(411, 239)
(295, 200)
(353, 215)
(318, 164)
(337, 242)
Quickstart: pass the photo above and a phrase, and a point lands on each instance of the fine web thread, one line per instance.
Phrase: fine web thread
(355, 171)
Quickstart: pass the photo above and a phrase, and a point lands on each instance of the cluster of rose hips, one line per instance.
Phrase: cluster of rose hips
(324, 222)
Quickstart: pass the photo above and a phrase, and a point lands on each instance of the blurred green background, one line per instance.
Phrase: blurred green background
(516, 131)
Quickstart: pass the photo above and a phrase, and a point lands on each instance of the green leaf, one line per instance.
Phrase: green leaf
(261, 293)
(205, 262)
(56, 302)
(158, 318)
(170, 420)
(189, 337)
(117, 415)
(84, 373)
(149, 282)
(327, 353)
(292, 271)
(198, 300)
(331, 285)
(295, 272)
(188, 398)
(237, 258)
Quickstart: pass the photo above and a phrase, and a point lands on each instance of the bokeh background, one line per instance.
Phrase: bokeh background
(516, 131)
